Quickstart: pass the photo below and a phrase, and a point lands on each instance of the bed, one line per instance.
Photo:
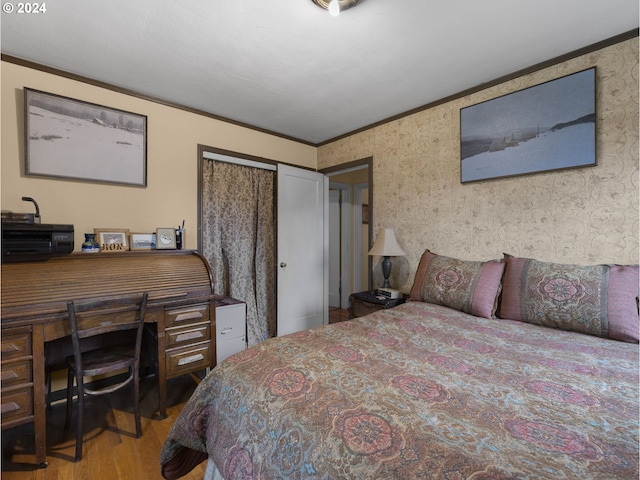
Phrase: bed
(438, 389)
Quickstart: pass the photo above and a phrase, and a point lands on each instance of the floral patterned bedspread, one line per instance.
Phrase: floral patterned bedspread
(417, 391)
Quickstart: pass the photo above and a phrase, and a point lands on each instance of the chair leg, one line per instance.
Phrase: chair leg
(80, 420)
(136, 401)
(67, 420)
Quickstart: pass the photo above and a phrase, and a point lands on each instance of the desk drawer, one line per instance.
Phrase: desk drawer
(188, 335)
(16, 404)
(183, 316)
(15, 343)
(15, 373)
(188, 359)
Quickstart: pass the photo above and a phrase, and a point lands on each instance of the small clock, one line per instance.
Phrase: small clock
(165, 238)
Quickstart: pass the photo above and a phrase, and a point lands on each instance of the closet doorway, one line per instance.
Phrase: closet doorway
(237, 234)
(251, 210)
(350, 236)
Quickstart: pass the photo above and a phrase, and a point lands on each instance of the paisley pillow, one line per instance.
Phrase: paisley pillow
(468, 286)
(598, 300)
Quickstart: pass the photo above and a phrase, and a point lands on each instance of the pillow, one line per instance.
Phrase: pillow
(598, 300)
(470, 287)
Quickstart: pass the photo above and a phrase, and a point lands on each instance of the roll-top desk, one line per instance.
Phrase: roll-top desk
(34, 295)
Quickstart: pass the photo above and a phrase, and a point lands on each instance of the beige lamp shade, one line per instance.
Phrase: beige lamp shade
(386, 245)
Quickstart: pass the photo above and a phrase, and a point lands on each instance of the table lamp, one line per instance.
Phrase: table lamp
(386, 246)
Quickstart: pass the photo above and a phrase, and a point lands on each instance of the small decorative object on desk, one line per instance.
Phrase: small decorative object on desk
(112, 239)
(90, 244)
(143, 241)
(165, 238)
(180, 236)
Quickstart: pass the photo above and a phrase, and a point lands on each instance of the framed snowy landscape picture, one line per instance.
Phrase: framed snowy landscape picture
(71, 139)
(547, 127)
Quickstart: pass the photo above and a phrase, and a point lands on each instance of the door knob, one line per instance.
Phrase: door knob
(282, 264)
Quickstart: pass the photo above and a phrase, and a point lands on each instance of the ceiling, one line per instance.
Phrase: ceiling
(288, 67)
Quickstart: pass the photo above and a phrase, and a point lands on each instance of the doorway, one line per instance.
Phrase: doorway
(351, 187)
(335, 250)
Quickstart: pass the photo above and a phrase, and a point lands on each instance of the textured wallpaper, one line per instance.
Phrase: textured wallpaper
(587, 215)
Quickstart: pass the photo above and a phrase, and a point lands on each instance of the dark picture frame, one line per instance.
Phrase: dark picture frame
(72, 139)
(550, 126)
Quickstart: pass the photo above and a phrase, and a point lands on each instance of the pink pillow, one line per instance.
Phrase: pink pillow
(467, 286)
(598, 300)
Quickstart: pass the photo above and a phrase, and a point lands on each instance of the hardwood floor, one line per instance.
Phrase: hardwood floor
(338, 315)
(110, 449)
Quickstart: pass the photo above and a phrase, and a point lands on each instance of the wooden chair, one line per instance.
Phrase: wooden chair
(91, 320)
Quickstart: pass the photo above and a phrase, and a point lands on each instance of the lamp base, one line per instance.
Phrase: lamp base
(386, 271)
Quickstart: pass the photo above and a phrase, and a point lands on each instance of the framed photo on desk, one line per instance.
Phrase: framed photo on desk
(112, 239)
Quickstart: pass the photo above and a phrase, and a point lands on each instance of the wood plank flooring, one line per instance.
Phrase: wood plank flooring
(110, 449)
(338, 315)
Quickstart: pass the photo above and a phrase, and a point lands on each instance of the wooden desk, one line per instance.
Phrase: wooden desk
(34, 295)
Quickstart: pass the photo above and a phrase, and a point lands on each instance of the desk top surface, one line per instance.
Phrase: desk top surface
(30, 289)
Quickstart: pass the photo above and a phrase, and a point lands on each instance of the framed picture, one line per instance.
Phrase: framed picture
(67, 138)
(547, 127)
(365, 213)
(166, 238)
(143, 241)
(112, 239)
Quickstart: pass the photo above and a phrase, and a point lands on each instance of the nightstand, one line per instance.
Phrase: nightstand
(362, 303)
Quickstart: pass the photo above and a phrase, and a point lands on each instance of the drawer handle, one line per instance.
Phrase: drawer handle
(9, 375)
(9, 347)
(190, 359)
(181, 317)
(189, 336)
(226, 330)
(9, 407)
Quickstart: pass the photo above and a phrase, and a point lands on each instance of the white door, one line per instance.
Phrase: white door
(302, 249)
(334, 249)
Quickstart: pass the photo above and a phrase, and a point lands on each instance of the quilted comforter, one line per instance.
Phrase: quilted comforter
(418, 391)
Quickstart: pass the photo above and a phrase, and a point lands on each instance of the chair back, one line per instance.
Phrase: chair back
(101, 316)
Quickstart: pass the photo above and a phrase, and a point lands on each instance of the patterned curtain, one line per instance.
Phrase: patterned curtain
(238, 234)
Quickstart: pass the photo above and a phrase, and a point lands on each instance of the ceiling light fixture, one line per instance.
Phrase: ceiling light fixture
(336, 6)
